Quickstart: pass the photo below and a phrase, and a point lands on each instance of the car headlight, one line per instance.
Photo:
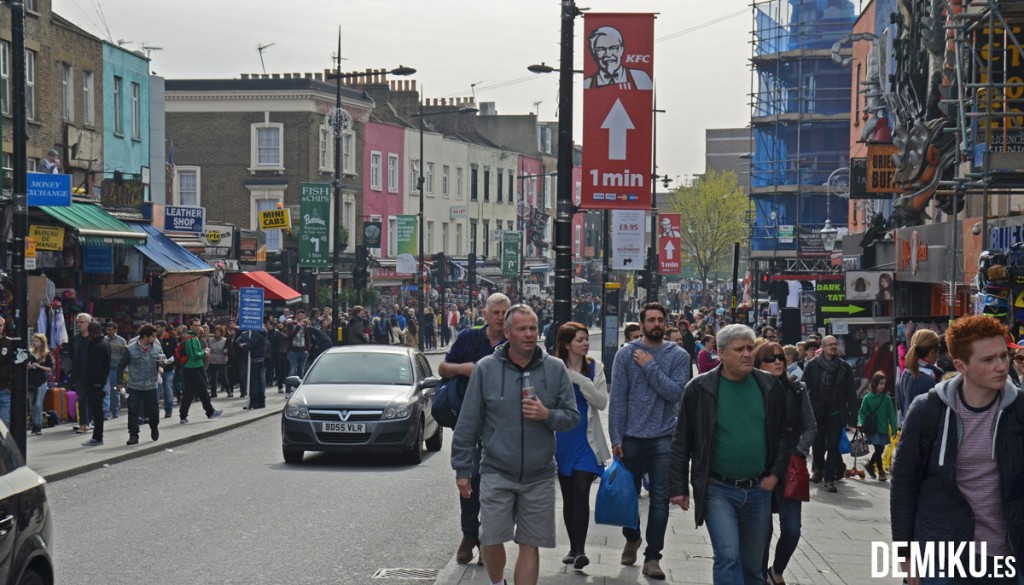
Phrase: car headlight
(396, 412)
(296, 411)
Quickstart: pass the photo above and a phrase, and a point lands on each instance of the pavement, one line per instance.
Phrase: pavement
(834, 549)
(58, 453)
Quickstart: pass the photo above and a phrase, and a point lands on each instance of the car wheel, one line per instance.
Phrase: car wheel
(415, 455)
(434, 443)
(30, 577)
(293, 456)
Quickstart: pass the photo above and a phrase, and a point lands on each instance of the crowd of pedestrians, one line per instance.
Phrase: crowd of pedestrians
(710, 416)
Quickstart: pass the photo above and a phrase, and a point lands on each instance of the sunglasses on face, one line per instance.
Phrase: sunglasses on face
(774, 358)
(1018, 358)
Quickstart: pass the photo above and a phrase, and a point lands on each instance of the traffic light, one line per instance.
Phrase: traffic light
(641, 279)
(360, 271)
(276, 264)
(440, 270)
(764, 282)
(307, 283)
(657, 282)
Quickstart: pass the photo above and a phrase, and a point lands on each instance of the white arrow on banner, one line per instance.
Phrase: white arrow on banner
(617, 122)
(669, 250)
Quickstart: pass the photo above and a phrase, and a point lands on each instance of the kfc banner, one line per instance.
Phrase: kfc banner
(618, 103)
(669, 244)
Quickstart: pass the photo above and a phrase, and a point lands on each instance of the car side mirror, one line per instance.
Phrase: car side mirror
(293, 381)
(431, 382)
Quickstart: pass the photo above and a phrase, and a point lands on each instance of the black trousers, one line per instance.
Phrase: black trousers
(195, 386)
(95, 402)
(142, 403)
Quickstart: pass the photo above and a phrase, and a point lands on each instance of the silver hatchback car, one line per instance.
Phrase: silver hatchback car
(366, 398)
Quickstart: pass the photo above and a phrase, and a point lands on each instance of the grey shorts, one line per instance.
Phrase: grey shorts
(523, 512)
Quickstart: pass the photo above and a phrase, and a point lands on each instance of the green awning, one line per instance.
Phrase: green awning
(96, 227)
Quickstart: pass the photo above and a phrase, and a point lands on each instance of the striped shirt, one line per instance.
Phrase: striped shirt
(977, 474)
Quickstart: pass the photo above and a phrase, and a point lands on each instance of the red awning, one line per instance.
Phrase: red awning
(275, 289)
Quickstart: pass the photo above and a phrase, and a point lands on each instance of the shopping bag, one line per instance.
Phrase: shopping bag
(798, 481)
(618, 503)
(844, 443)
(890, 449)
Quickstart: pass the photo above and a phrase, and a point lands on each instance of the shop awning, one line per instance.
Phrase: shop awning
(94, 226)
(168, 254)
(275, 289)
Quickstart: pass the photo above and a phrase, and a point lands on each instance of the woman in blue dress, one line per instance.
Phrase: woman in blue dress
(581, 452)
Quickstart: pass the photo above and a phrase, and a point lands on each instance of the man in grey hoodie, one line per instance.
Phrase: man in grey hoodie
(143, 359)
(517, 398)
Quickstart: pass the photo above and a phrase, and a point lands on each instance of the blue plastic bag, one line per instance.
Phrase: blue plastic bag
(618, 503)
(844, 443)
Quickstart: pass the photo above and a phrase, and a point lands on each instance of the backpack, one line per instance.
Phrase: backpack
(180, 357)
(450, 393)
(871, 419)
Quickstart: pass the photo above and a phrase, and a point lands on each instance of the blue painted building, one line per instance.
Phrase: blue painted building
(125, 114)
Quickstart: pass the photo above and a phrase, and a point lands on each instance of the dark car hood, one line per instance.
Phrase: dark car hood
(350, 395)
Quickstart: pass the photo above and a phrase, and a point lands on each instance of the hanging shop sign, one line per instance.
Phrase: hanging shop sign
(47, 190)
(275, 219)
(618, 100)
(184, 219)
(47, 237)
(218, 240)
(832, 303)
(123, 193)
(372, 231)
(869, 286)
(314, 237)
(880, 169)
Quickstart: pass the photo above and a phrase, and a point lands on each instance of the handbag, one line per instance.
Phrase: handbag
(617, 503)
(798, 481)
(890, 449)
(859, 445)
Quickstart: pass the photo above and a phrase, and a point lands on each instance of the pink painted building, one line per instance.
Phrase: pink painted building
(383, 180)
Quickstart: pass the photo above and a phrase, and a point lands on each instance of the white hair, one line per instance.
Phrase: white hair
(730, 333)
(498, 298)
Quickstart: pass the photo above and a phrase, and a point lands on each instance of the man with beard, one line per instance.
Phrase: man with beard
(833, 393)
(648, 376)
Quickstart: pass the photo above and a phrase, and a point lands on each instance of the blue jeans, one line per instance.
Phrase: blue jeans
(789, 535)
(298, 363)
(111, 397)
(5, 406)
(168, 391)
(37, 406)
(738, 521)
(650, 456)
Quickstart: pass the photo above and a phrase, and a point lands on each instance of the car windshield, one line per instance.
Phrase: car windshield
(361, 368)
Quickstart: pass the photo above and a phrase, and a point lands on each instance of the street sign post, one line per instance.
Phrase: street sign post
(618, 103)
(627, 233)
(250, 308)
(610, 327)
(314, 240)
(669, 244)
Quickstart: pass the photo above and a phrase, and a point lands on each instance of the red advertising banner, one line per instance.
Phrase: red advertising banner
(618, 99)
(669, 244)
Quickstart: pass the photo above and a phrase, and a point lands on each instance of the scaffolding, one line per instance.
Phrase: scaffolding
(800, 122)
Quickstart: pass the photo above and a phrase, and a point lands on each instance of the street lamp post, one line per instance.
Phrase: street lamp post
(829, 233)
(564, 206)
(339, 120)
(523, 223)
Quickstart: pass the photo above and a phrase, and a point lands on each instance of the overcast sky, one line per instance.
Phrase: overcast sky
(701, 72)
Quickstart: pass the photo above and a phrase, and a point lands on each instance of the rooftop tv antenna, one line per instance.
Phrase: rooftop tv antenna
(472, 89)
(259, 49)
(149, 49)
(536, 107)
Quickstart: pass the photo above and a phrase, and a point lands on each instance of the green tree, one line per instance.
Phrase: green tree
(711, 219)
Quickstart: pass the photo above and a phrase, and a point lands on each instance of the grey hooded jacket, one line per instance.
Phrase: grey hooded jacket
(520, 449)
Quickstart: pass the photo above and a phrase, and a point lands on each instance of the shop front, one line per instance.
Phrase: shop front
(925, 264)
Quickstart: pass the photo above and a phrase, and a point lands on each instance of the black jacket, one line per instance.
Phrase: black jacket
(925, 502)
(828, 393)
(690, 454)
(96, 376)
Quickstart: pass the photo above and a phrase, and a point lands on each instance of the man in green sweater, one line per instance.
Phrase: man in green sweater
(195, 375)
